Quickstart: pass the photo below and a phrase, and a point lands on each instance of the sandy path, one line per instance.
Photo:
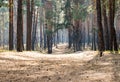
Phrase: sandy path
(83, 66)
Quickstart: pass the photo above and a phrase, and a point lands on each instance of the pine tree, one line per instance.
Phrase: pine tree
(11, 25)
(19, 27)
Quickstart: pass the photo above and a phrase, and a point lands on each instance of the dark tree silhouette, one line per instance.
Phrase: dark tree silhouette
(106, 29)
(19, 27)
(100, 28)
(11, 25)
(113, 39)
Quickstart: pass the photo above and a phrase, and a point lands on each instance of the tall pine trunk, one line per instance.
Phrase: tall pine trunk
(88, 27)
(41, 28)
(105, 26)
(70, 37)
(49, 43)
(11, 25)
(113, 40)
(49, 39)
(19, 27)
(29, 27)
(34, 30)
(100, 28)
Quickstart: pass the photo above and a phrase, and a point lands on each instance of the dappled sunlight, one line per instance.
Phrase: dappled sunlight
(59, 40)
(93, 76)
(35, 66)
(104, 63)
(15, 56)
(84, 66)
(37, 56)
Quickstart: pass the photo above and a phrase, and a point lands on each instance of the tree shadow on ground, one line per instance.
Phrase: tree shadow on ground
(98, 69)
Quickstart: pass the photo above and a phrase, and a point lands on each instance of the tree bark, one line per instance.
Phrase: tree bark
(100, 28)
(41, 27)
(19, 27)
(49, 43)
(70, 37)
(88, 27)
(34, 29)
(11, 25)
(105, 26)
(29, 27)
(113, 39)
(49, 39)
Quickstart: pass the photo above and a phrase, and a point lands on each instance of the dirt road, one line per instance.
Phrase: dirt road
(84, 66)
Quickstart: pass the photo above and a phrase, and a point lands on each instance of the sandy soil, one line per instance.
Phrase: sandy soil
(84, 66)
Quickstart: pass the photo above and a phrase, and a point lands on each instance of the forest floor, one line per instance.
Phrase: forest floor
(61, 66)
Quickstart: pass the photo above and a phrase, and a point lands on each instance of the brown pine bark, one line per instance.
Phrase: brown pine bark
(49, 39)
(77, 36)
(11, 25)
(105, 26)
(69, 34)
(49, 25)
(34, 38)
(113, 39)
(77, 31)
(88, 43)
(114, 31)
(28, 40)
(41, 29)
(19, 27)
(100, 28)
